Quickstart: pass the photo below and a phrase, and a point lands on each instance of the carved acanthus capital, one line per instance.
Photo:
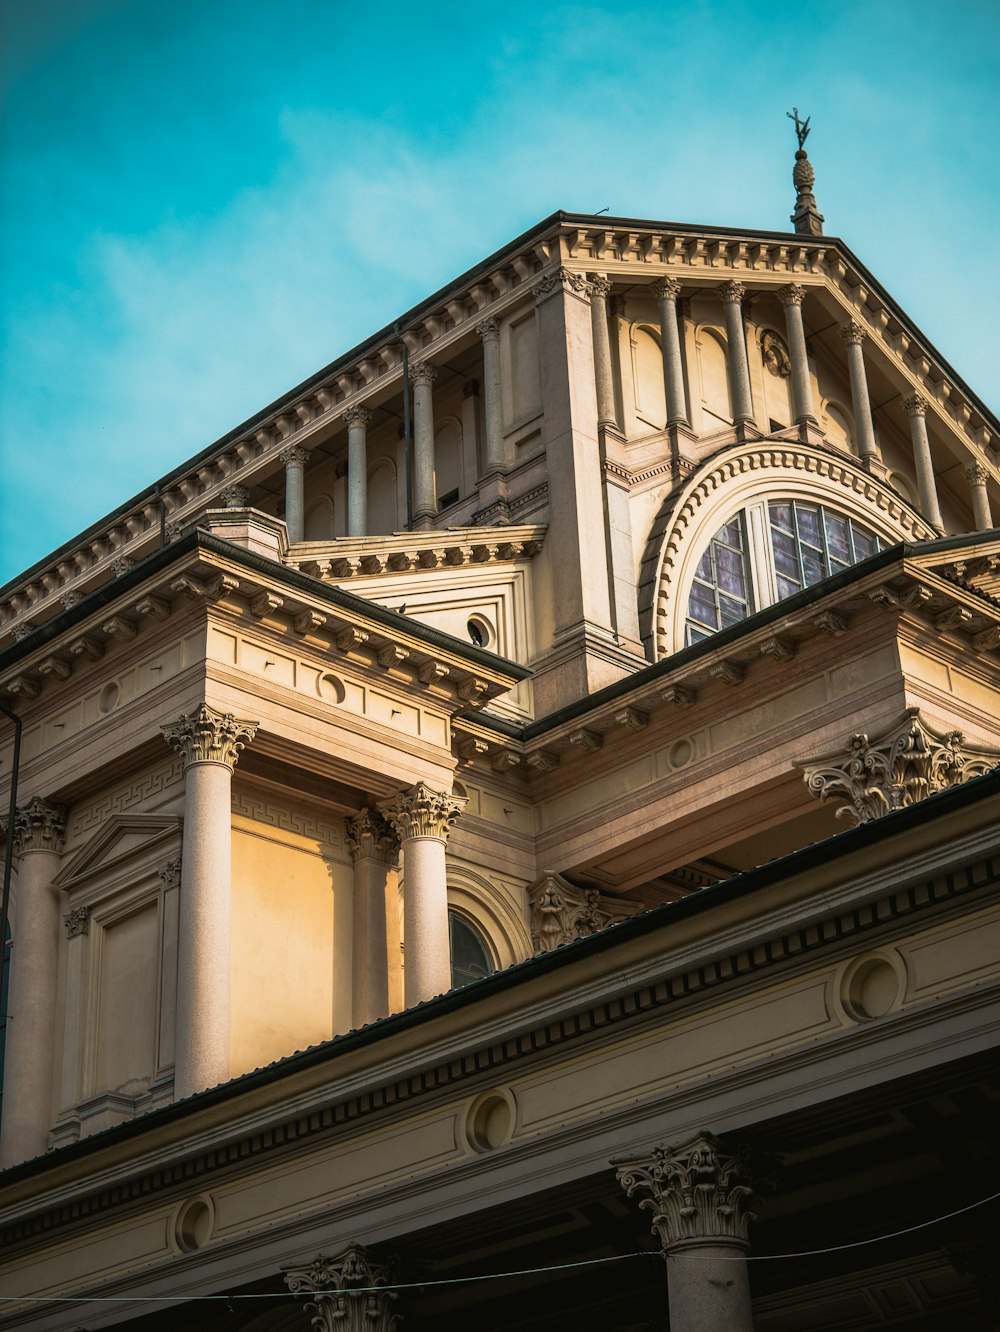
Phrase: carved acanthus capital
(422, 372)
(563, 279)
(916, 405)
(344, 1293)
(209, 736)
(371, 837)
(792, 294)
(666, 289)
(294, 456)
(600, 286)
(38, 826)
(77, 922)
(977, 474)
(561, 912)
(488, 329)
(422, 812)
(698, 1191)
(19, 632)
(896, 769)
(731, 292)
(853, 332)
(234, 496)
(357, 416)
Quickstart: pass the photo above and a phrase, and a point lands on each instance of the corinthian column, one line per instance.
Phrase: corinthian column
(732, 294)
(916, 410)
(977, 476)
(791, 297)
(698, 1198)
(600, 289)
(38, 834)
(423, 375)
(854, 335)
(209, 742)
(375, 849)
(357, 419)
(422, 820)
(667, 290)
(352, 1298)
(294, 458)
(493, 459)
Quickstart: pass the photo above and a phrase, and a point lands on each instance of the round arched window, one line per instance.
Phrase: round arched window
(470, 959)
(767, 552)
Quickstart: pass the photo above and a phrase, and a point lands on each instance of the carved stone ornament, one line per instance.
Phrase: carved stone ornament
(344, 1293)
(38, 826)
(422, 372)
(209, 736)
(896, 769)
(976, 474)
(774, 351)
(792, 294)
(77, 922)
(235, 496)
(170, 874)
(371, 837)
(916, 405)
(666, 289)
(422, 812)
(488, 328)
(294, 456)
(600, 286)
(561, 912)
(21, 631)
(731, 291)
(853, 332)
(698, 1191)
(357, 416)
(561, 280)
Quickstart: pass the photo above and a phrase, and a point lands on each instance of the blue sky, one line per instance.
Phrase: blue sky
(202, 203)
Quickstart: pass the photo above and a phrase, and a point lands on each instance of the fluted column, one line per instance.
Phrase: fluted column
(600, 289)
(209, 742)
(357, 419)
(294, 458)
(423, 375)
(791, 297)
(493, 455)
(352, 1298)
(38, 833)
(375, 849)
(853, 335)
(977, 476)
(667, 290)
(698, 1197)
(916, 410)
(422, 819)
(732, 294)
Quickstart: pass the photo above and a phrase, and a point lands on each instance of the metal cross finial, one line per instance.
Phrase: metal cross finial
(801, 126)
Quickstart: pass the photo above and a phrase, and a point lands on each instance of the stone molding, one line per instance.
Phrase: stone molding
(357, 415)
(422, 372)
(853, 332)
(344, 1293)
(77, 922)
(700, 1190)
(294, 456)
(898, 768)
(422, 812)
(39, 825)
(792, 294)
(666, 289)
(561, 912)
(563, 279)
(209, 736)
(370, 836)
(402, 552)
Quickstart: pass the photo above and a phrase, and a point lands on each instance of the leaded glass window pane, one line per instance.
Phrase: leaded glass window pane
(721, 593)
(811, 542)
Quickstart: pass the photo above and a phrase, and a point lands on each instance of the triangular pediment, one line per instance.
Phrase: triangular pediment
(120, 840)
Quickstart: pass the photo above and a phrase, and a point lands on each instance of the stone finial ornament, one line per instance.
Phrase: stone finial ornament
(344, 1293)
(898, 768)
(807, 219)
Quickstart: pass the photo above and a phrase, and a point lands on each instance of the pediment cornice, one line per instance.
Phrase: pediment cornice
(121, 840)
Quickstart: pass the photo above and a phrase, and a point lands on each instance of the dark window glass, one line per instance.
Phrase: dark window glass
(469, 959)
(720, 593)
(811, 542)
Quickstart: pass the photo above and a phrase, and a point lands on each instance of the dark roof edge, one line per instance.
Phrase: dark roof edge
(896, 823)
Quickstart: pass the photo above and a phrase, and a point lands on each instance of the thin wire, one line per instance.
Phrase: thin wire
(496, 1276)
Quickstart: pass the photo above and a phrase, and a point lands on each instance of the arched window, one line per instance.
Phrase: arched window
(767, 552)
(470, 959)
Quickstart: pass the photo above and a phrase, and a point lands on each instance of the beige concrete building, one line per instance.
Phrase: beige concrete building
(525, 803)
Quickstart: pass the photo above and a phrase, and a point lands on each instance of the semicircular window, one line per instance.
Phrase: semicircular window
(767, 552)
(469, 957)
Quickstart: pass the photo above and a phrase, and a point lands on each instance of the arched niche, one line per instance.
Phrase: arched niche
(493, 912)
(731, 482)
(838, 425)
(649, 397)
(319, 520)
(776, 364)
(448, 464)
(382, 517)
(713, 379)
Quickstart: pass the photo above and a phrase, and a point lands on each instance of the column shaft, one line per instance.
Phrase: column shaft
(294, 459)
(853, 335)
(357, 419)
(667, 291)
(424, 499)
(708, 1289)
(732, 294)
(791, 298)
(916, 407)
(375, 849)
(493, 460)
(600, 288)
(977, 476)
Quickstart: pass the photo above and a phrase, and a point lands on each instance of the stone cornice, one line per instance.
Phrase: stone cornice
(402, 552)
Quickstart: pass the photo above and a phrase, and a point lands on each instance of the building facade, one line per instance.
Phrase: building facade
(523, 806)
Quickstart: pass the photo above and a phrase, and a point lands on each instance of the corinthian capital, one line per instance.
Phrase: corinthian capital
(209, 736)
(234, 496)
(38, 826)
(916, 405)
(422, 372)
(666, 289)
(371, 837)
(351, 1298)
(488, 328)
(600, 286)
(792, 294)
(697, 1191)
(563, 279)
(294, 456)
(976, 474)
(731, 291)
(422, 812)
(357, 416)
(853, 332)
